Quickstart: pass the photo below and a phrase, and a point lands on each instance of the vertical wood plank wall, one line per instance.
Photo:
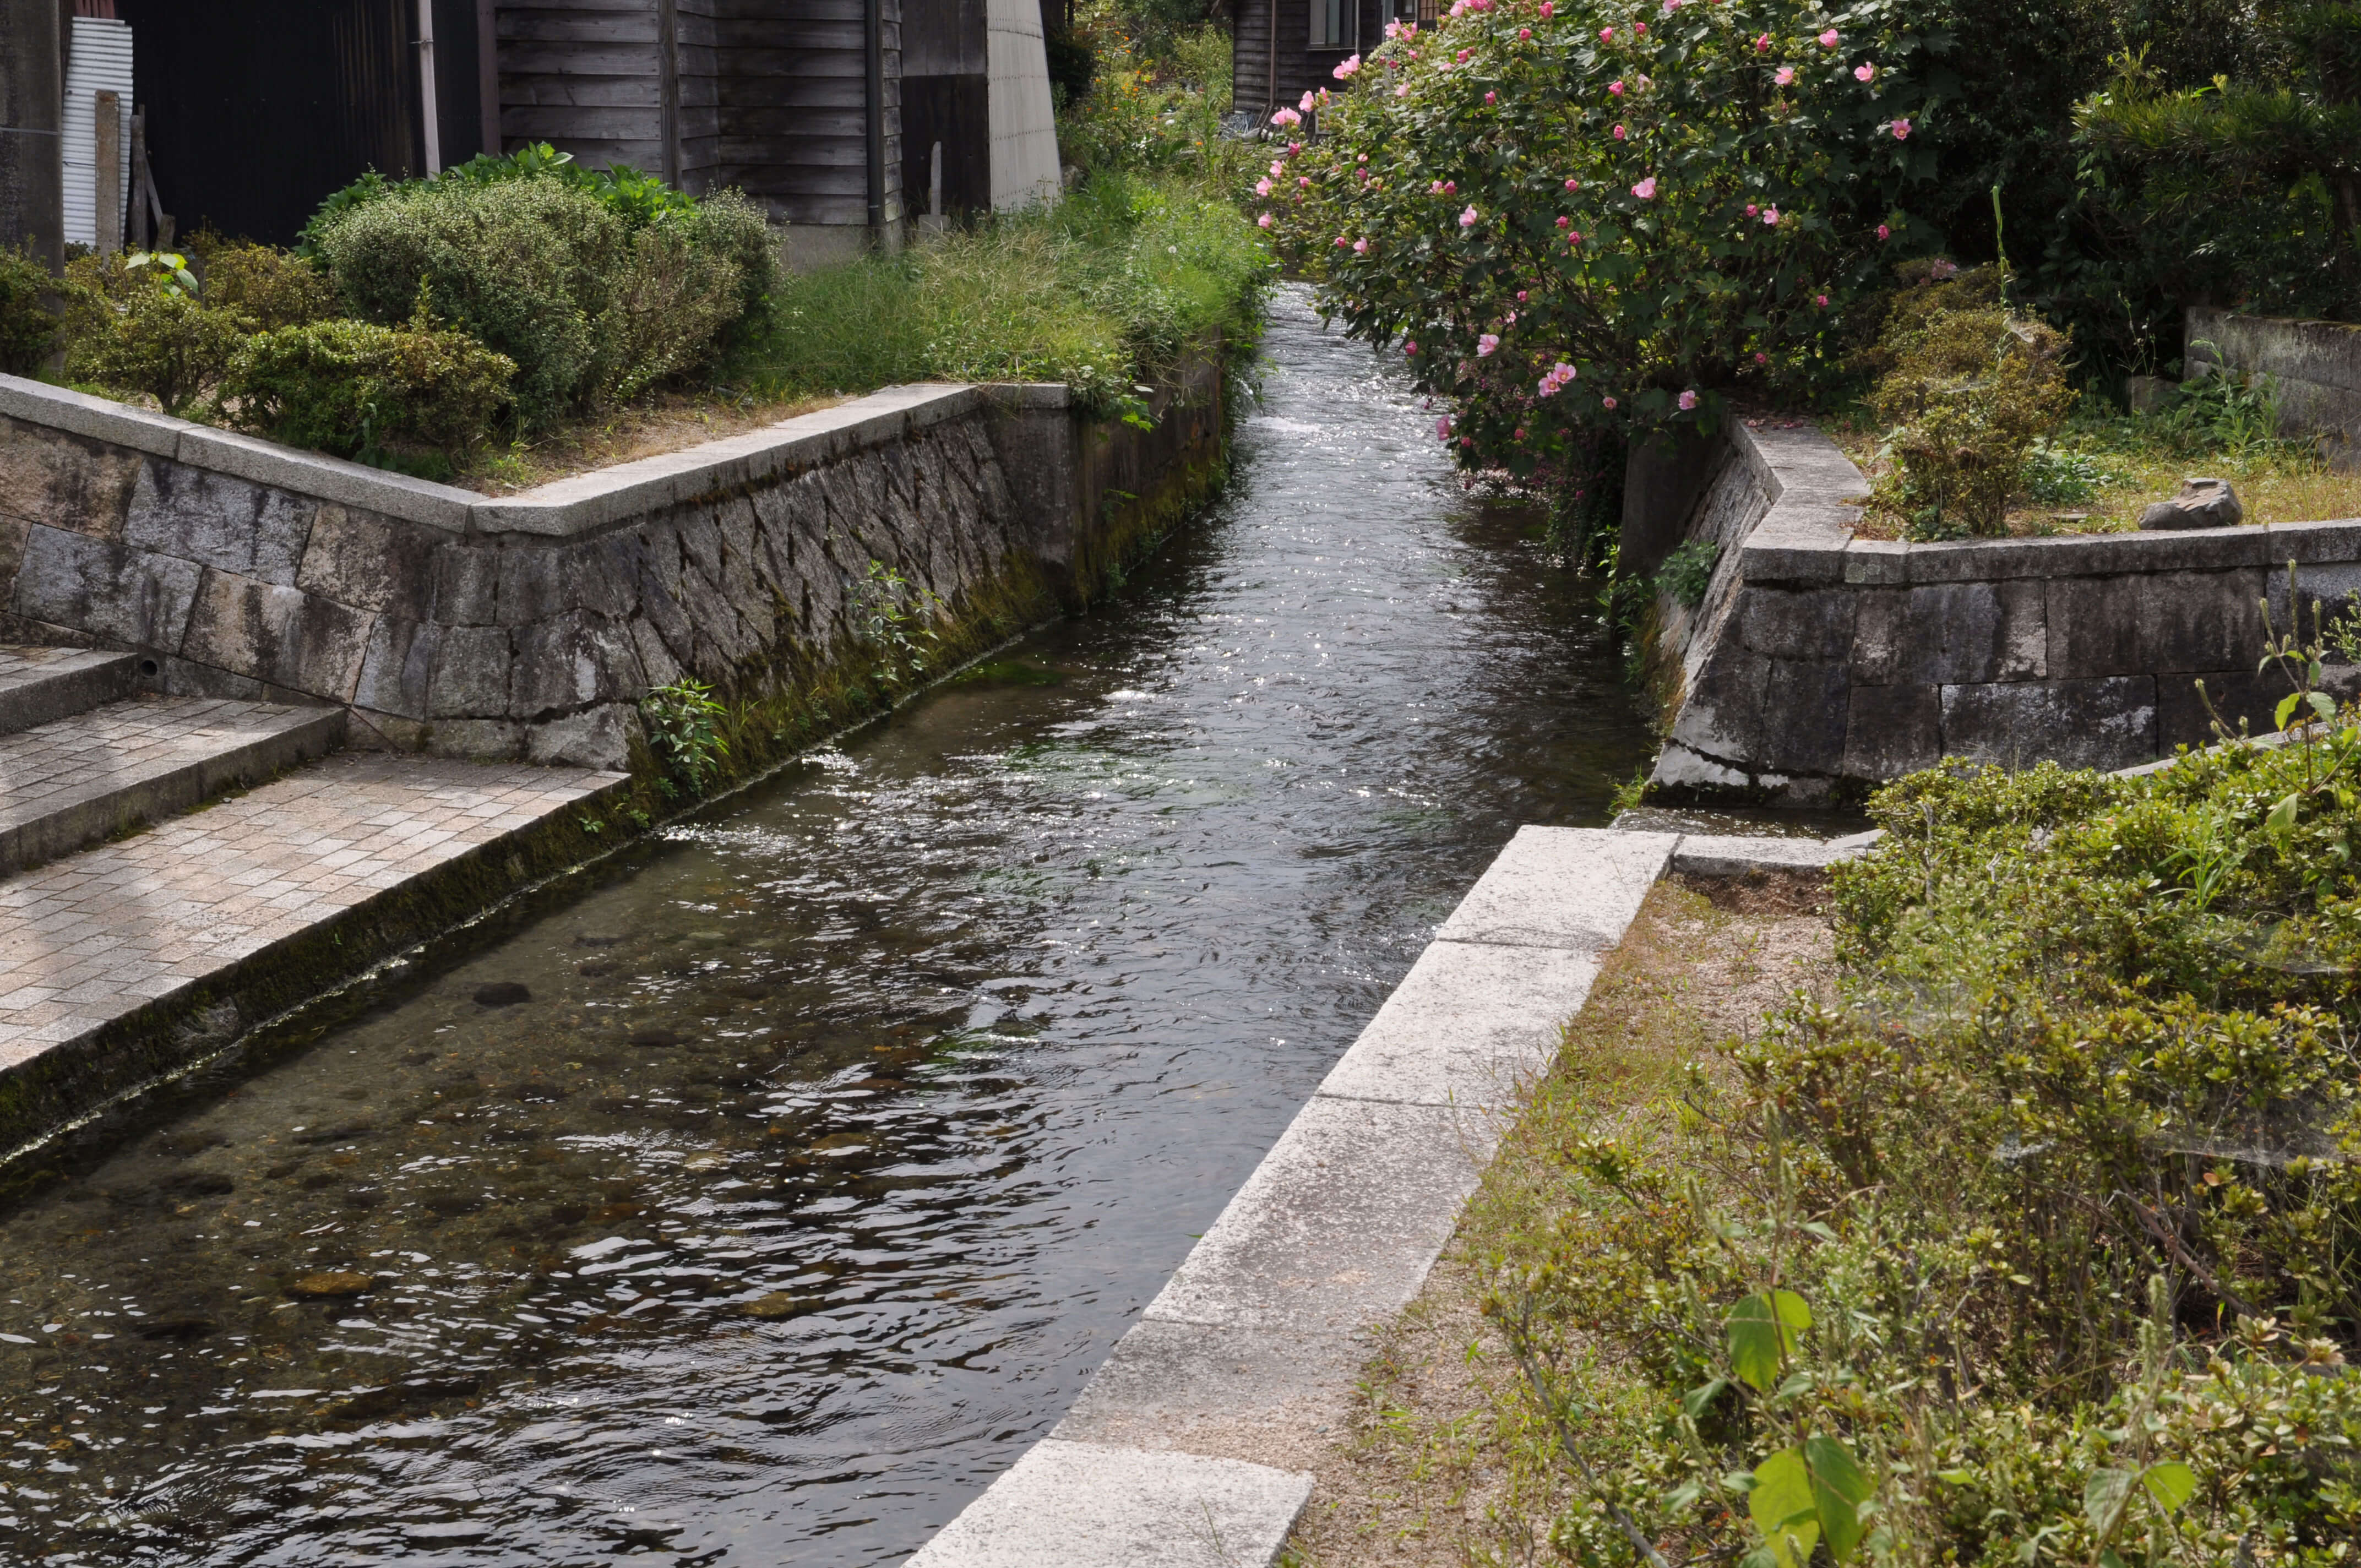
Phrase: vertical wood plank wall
(770, 95)
(1300, 68)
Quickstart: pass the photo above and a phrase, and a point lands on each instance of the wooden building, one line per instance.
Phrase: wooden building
(1282, 49)
(255, 109)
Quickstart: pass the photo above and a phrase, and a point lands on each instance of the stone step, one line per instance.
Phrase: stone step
(132, 959)
(38, 685)
(74, 781)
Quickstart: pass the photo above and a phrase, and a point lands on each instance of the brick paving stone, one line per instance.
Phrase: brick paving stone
(85, 939)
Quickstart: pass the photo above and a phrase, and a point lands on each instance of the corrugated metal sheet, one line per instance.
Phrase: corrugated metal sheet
(100, 63)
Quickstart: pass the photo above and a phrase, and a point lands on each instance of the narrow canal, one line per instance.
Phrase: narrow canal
(844, 1132)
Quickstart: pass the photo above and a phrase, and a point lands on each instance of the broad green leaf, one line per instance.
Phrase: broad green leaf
(2323, 705)
(2281, 821)
(1762, 1335)
(1781, 1505)
(1840, 1487)
(2170, 1483)
(2286, 708)
(1955, 1477)
(2104, 1496)
(1695, 1400)
(1683, 1498)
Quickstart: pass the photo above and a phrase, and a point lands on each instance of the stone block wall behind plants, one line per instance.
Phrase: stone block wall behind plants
(1819, 664)
(529, 626)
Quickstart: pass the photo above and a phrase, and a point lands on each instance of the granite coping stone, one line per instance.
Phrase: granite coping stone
(1561, 887)
(1469, 1026)
(1084, 1505)
(577, 505)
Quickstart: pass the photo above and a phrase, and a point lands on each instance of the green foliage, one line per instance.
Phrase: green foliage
(1604, 219)
(901, 619)
(1971, 390)
(140, 329)
(589, 306)
(1102, 291)
(635, 198)
(1687, 571)
(684, 726)
(271, 287)
(1144, 116)
(355, 389)
(29, 326)
(2058, 475)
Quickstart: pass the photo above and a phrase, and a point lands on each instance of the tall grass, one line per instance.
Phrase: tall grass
(1100, 291)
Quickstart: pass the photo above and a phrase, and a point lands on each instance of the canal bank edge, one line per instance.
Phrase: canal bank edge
(1819, 665)
(1176, 1454)
(525, 626)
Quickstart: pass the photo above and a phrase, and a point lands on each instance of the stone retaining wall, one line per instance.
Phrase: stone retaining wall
(2314, 367)
(527, 626)
(1820, 663)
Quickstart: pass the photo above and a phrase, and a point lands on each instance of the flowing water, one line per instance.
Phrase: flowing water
(843, 1131)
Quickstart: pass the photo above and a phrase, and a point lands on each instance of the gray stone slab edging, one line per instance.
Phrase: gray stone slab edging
(581, 504)
(1264, 1322)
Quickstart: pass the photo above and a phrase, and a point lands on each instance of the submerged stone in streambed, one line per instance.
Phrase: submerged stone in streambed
(588, 940)
(501, 993)
(179, 1328)
(332, 1285)
(199, 1184)
(777, 1304)
(652, 1035)
(595, 968)
(748, 991)
(341, 1132)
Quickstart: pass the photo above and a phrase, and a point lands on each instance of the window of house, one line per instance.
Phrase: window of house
(1335, 23)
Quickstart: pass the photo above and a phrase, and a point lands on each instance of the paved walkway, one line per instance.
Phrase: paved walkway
(89, 938)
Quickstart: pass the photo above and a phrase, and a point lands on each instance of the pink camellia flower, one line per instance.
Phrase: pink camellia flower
(1305, 106)
(1524, 35)
(1362, 175)
(1619, 133)
(1563, 221)
(1293, 147)
(1467, 440)
(1348, 69)
(1607, 35)
(1276, 168)
(1304, 181)
(1286, 117)
(1363, 158)
(1403, 91)
(1521, 432)
(1442, 428)
(1864, 71)
(1436, 189)
(1901, 130)
(1616, 88)
(1760, 358)
(1360, 247)
(1688, 400)
(1263, 222)
(1409, 346)
(1467, 218)
(1521, 300)
(1451, 187)
(1574, 184)
(1828, 38)
(1548, 9)
(1262, 187)
(1342, 242)
(1393, 31)
(1763, 43)
(1771, 216)
(1885, 233)
(1574, 237)
(1491, 97)
(1751, 209)
(1486, 344)
(1640, 30)
(1608, 402)
(1787, 77)
(1822, 300)
(1671, 7)
(1646, 189)
(1461, 57)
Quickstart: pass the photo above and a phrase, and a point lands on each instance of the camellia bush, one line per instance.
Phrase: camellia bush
(1586, 222)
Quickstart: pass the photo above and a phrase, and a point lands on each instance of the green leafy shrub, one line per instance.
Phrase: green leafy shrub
(1971, 390)
(141, 329)
(589, 306)
(683, 725)
(355, 389)
(29, 326)
(1687, 571)
(635, 198)
(1139, 118)
(273, 288)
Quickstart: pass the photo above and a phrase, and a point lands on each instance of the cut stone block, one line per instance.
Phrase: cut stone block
(1079, 1505)
(1339, 1224)
(1206, 1388)
(2106, 723)
(1716, 855)
(1562, 887)
(1469, 1024)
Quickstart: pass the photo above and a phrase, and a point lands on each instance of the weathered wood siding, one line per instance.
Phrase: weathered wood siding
(1302, 69)
(585, 76)
(791, 97)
